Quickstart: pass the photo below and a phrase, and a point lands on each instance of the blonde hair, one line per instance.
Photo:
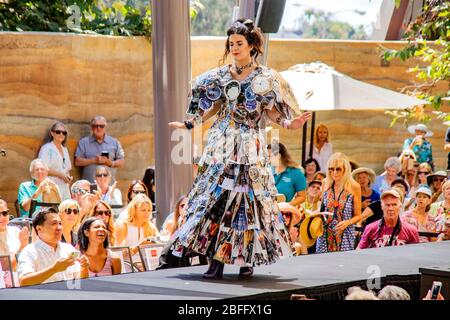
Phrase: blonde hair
(136, 203)
(316, 134)
(339, 159)
(66, 204)
(445, 185)
(110, 225)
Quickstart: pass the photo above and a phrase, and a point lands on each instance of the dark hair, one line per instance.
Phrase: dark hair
(130, 188)
(402, 182)
(83, 240)
(40, 217)
(279, 148)
(311, 160)
(246, 28)
(149, 181)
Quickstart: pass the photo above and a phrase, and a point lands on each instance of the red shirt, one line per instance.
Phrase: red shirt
(370, 239)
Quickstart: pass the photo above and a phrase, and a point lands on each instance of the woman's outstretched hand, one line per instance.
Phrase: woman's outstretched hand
(177, 125)
(298, 122)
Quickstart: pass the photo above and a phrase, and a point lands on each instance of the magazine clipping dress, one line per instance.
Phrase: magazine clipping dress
(232, 214)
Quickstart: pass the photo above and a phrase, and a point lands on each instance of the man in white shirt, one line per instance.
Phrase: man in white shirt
(48, 259)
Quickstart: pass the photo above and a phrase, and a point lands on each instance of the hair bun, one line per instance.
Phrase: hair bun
(249, 24)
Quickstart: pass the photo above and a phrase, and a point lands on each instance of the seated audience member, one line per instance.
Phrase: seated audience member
(435, 182)
(34, 189)
(365, 178)
(138, 228)
(109, 193)
(313, 197)
(103, 211)
(69, 212)
(176, 219)
(292, 218)
(442, 207)
(392, 168)
(407, 159)
(93, 243)
(401, 184)
(81, 193)
(444, 231)
(311, 168)
(12, 239)
(48, 259)
(419, 216)
(357, 293)
(320, 175)
(390, 230)
(149, 182)
(136, 187)
(393, 293)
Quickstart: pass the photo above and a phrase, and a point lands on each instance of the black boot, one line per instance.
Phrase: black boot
(215, 270)
(245, 272)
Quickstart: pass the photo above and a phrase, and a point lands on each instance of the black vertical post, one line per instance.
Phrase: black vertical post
(313, 125)
(305, 132)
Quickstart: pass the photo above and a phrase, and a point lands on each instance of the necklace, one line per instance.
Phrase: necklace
(240, 69)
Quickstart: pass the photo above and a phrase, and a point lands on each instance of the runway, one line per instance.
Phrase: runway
(322, 274)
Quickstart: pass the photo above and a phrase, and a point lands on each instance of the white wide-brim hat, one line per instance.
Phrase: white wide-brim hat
(421, 127)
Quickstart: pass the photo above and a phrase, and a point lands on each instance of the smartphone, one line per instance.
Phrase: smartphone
(410, 164)
(105, 154)
(93, 187)
(435, 289)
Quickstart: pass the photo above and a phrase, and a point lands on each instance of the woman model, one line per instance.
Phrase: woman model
(232, 215)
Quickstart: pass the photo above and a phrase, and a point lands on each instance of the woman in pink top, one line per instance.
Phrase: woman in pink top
(93, 243)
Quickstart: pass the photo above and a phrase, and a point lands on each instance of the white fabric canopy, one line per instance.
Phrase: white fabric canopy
(330, 90)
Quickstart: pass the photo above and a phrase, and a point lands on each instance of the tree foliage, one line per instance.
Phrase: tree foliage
(429, 41)
(214, 18)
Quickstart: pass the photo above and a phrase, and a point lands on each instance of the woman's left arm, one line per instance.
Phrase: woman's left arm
(298, 199)
(356, 193)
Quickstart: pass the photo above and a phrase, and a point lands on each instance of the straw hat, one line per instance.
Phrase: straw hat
(421, 127)
(440, 173)
(369, 172)
(311, 229)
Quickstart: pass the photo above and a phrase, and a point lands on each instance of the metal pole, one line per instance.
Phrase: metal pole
(305, 132)
(171, 75)
(311, 144)
(247, 9)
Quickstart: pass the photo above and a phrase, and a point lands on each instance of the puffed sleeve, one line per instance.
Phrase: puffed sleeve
(284, 100)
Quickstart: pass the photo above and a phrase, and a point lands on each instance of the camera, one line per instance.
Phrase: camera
(105, 154)
(93, 187)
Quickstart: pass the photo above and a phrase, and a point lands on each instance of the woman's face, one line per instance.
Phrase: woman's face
(137, 189)
(239, 47)
(97, 232)
(422, 175)
(275, 160)
(4, 215)
(363, 179)
(446, 191)
(391, 172)
(103, 213)
(422, 200)
(69, 216)
(183, 207)
(287, 216)
(103, 178)
(311, 168)
(336, 172)
(144, 212)
(322, 134)
(314, 190)
(59, 133)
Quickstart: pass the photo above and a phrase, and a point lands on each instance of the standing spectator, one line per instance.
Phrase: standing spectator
(34, 189)
(419, 216)
(322, 149)
(48, 259)
(447, 147)
(442, 207)
(390, 230)
(392, 167)
(102, 210)
(81, 194)
(365, 178)
(338, 201)
(136, 187)
(12, 239)
(93, 243)
(98, 149)
(435, 182)
(109, 193)
(56, 156)
(289, 180)
(69, 212)
(419, 144)
(311, 168)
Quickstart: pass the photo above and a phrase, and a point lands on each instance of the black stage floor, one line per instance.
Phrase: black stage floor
(288, 275)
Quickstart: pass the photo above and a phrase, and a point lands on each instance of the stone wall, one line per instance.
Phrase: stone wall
(46, 77)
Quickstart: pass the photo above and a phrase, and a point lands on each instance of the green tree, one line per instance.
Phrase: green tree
(428, 39)
(214, 18)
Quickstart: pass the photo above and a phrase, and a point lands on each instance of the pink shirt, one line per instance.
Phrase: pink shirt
(106, 271)
(370, 239)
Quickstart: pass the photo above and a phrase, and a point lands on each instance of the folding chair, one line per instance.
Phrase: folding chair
(124, 253)
(6, 272)
(35, 204)
(150, 254)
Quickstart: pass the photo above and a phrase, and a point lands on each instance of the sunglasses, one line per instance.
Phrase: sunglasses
(439, 179)
(101, 212)
(5, 213)
(74, 211)
(101, 126)
(138, 191)
(335, 169)
(60, 132)
(80, 191)
(182, 205)
(101, 175)
(423, 172)
(286, 213)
